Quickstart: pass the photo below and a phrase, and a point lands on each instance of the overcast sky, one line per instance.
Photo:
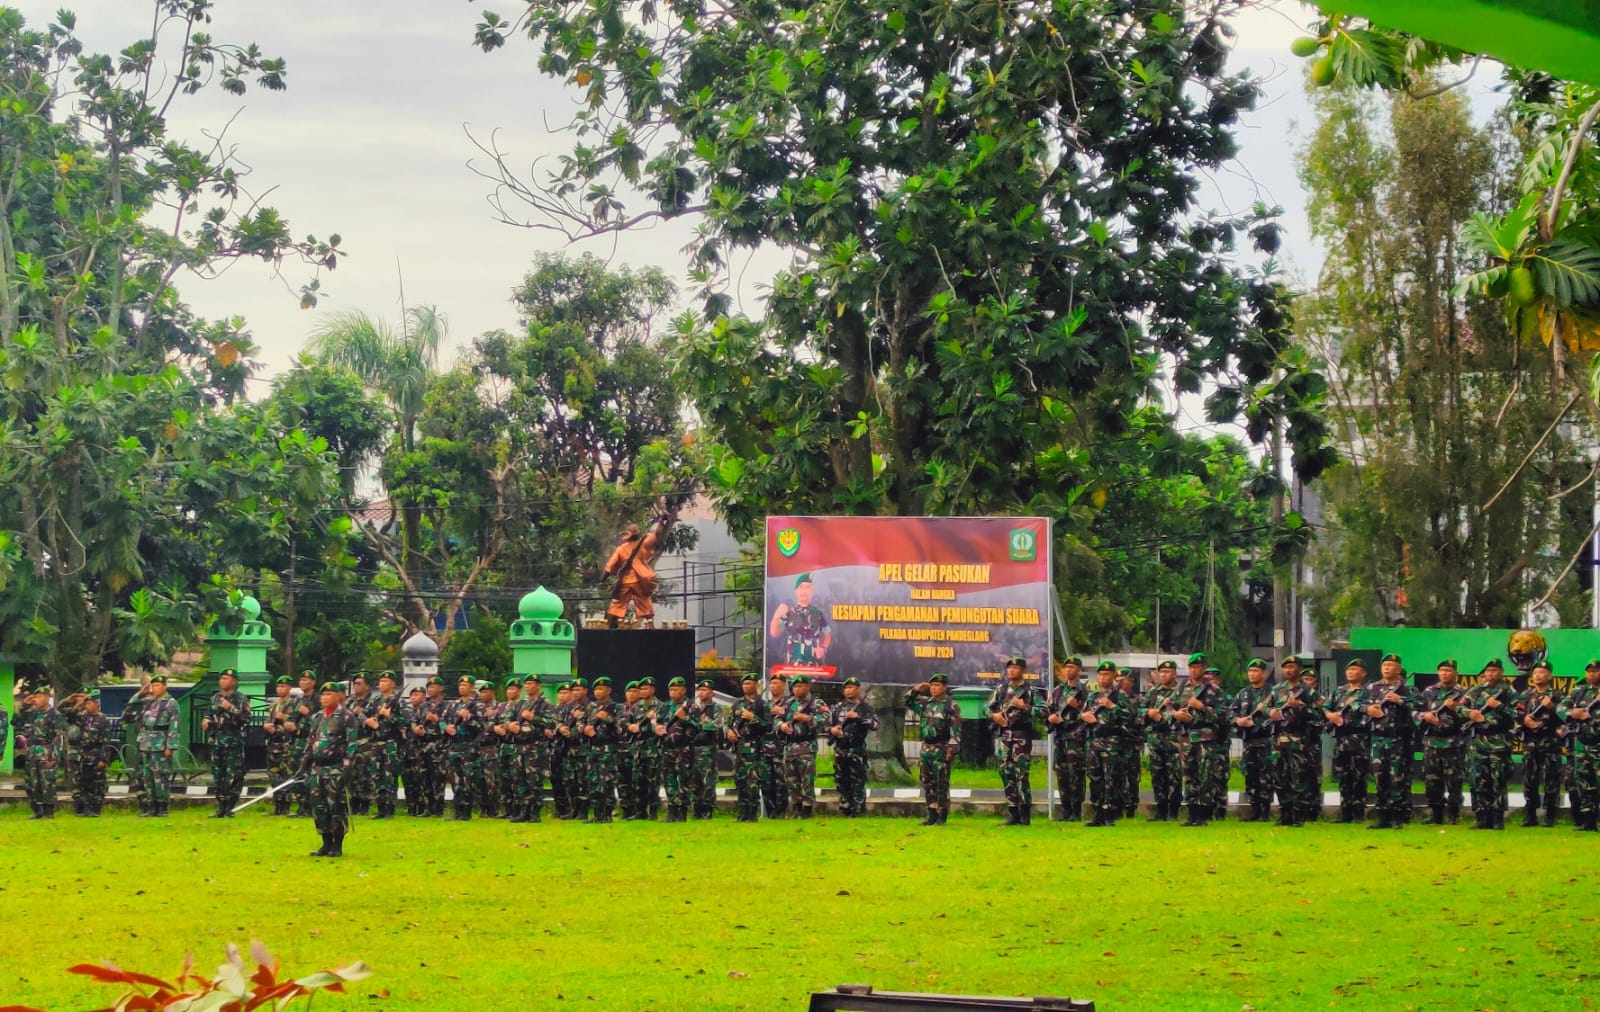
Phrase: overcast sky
(369, 141)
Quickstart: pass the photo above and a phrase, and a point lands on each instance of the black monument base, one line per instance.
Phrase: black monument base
(629, 654)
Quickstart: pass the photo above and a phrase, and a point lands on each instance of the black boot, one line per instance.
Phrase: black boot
(323, 850)
(1549, 820)
(944, 816)
(1025, 814)
(932, 819)
(1530, 816)
(335, 845)
(1499, 818)
(222, 809)
(1011, 816)
(1480, 819)
(1590, 824)
(1436, 818)
(1198, 815)
(1384, 822)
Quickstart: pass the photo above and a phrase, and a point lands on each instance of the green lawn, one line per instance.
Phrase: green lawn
(727, 916)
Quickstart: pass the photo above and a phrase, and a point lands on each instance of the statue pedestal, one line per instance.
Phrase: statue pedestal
(627, 654)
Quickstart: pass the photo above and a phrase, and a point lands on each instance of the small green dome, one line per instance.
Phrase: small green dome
(251, 608)
(540, 605)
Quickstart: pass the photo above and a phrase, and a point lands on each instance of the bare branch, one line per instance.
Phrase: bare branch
(1529, 456)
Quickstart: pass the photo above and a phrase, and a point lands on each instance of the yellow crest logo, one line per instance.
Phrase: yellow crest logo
(788, 541)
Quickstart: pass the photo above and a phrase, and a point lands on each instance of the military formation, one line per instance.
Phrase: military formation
(337, 749)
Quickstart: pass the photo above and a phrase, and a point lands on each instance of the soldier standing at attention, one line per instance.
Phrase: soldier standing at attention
(1068, 748)
(939, 729)
(1218, 746)
(5, 728)
(89, 732)
(853, 720)
(156, 719)
(1311, 790)
(330, 752)
(1166, 782)
(538, 719)
(305, 708)
(1011, 707)
(39, 733)
(1491, 713)
(677, 729)
(773, 792)
(427, 727)
(361, 783)
(1250, 709)
(1106, 712)
(626, 753)
(508, 754)
(1581, 712)
(463, 722)
(600, 724)
(1390, 704)
(412, 774)
(749, 721)
(281, 731)
(386, 720)
(708, 736)
(577, 751)
(1443, 724)
(560, 751)
(1296, 713)
(1200, 710)
(487, 788)
(1132, 753)
(649, 770)
(1347, 719)
(1541, 746)
(804, 627)
(227, 717)
(804, 717)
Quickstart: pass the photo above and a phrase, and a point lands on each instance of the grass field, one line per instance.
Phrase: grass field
(722, 915)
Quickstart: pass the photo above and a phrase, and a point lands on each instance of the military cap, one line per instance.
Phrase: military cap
(1545, 664)
(513, 680)
(330, 687)
(361, 675)
(1106, 666)
(437, 680)
(941, 678)
(483, 683)
(1124, 671)
(1591, 665)
(386, 673)
(283, 680)
(578, 683)
(1072, 659)
(802, 578)
(1493, 664)
(1391, 657)
(534, 677)
(464, 678)
(777, 677)
(229, 672)
(308, 673)
(676, 680)
(564, 687)
(1197, 658)
(1255, 663)
(797, 680)
(1167, 665)
(1289, 659)
(603, 680)
(92, 693)
(706, 683)
(1448, 662)
(1213, 671)
(852, 680)
(158, 678)
(630, 685)
(1356, 662)
(1021, 662)
(750, 676)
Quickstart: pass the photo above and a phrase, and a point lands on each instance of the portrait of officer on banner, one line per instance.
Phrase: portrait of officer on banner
(802, 628)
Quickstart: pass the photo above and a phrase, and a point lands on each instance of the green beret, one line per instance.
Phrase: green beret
(1256, 662)
(1213, 671)
(802, 578)
(483, 683)
(386, 673)
(1494, 665)
(229, 672)
(1167, 666)
(748, 676)
(534, 677)
(331, 687)
(1391, 657)
(1072, 659)
(1106, 666)
(1021, 662)
(676, 680)
(1448, 662)
(1591, 665)
(1288, 659)
(1197, 658)
(1124, 671)
(308, 673)
(801, 680)
(941, 678)
(706, 683)
(153, 680)
(578, 683)
(92, 693)
(852, 680)
(603, 680)
(513, 680)
(464, 679)
(283, 680)
(437, 680)
(777, 677)
(629, 686)
(360, 676)
(1356, 662)
(647, 683)
(1545, 664)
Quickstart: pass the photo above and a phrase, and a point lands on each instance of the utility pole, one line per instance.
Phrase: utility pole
(1280, 588)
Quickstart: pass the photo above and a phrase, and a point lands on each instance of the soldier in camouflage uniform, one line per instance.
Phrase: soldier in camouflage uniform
(939, 731)
(508, 753)
(1580, 714)
(649, 771)
(774, 793)
(385, 723)
(560, 752)
(804, 627)
(1012, 707)
(1106, 712)
(627, 803)
(40, 729)
(1253, 725)
(1443, 724)
(1541, 746)
(804, 717)
(1346, 718)
(577, 751)
(1068, 738)
(463, 725)
(155, 718)
(1132, 754)
(5, 728)
(1293, 667)
(89, 732)
(487, 789)
(413, 773)
(1219, 760)
(305, 709)
(1201, 710)
(537, 719)
(1296, 714)
(853, 720)
(361, 783)
(601, 723)
(707, 741)
(281, 731)
(329, 754)
(427, 732)
(1160, 731)
(749, 722)
(677, 729)
(1391, 704)
(1491, 715)
(226, 720)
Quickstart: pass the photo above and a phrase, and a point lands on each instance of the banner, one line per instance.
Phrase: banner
(896, 599)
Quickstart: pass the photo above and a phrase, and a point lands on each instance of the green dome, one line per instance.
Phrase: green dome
(540, 605)
(251, 608)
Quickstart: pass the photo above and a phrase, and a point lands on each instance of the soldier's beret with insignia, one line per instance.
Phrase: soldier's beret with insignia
(1125, 671)
(852, 680)
(1288, 659)
(776, 677)
(1197, 658)
(749, 676)
(1545, 664)
(464, 678)
(941, 678)
(531, 678)
(1072, 659)
(603, 680)
(308, 673)
(416, 689)
(513, 680)
(1391, 657)
(1493, 664)
(802, 578)
(1257, 663)
(436, 680)
(329, 687)
(676, 680)
(386, 673)
(1213, 671)
(283, 680)
(229, 672)
(1106, 666)
(1020, 662)
(1448, 662)
(1591, 665)
(359, 676)
(1356, 662)
(797, 680)
(92, 693)
(706, 683)
(578, 683)
(482, 683)
(158, 678)
(1167, 666)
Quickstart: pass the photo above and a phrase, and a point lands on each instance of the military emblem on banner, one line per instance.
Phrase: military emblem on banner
(1023, 545)
(788, 541)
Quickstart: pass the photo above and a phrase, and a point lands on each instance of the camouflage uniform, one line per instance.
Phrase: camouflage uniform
(281, 756)
(412, 772)
(486, 788)
(384, 749)
(1108, 743)
(1541, 755)
(573, 756)
(1255, 753)
(1161, 734)
(677, 756)
(600, 725)
(1207, 708)
(90, 735)
(1583, 774)
(707, 741)
(229, 717)
(774, 791)
(1069, 750)
(1489, 754)
(1443, 751)
(431, 774)
(1130, 759)
(1351, 749)
(1392, 752)
(800, 751)
(156, 721)
(647, 772)
(1296, 714)
(361, 782)
(329, 754)
(627, 755)
(748, 738)
(463, 726)
(536, 716)
(939, 730)
(850, 754)
(305, 708)
(1016, 745)
(804, 629)
(40, 730)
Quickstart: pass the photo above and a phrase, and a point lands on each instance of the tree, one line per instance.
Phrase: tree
(131, 470)
(992, 217)
(400, 366)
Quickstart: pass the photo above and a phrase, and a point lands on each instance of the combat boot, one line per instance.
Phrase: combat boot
(1384, 821)
(1025, 815)
(932, 819)
(1287, 817)
(1159, 815)
(1499, 819)
(1011, 816)
(222, 809)
(1530, 816)
(1199, 815)
(335, 845)
(1549, 821)
(1436, 818)
(322, 851)
(944, 816)
(1589, 824)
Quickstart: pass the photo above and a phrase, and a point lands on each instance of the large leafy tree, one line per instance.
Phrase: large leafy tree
(131, 471)
(997, 254)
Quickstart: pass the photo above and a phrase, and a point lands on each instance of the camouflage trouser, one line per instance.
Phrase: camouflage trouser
(800, 776)
(560, 792)
(1105, 762)
(577, 784)
(679, 763)
(227, 770)
(850, 777)
(1541, 776)
(1166, 778)
(705, 781)
(40, 777)
(301, 791)
(1442, 771)
(1289, 775)
(1256, 763)
(1128, 760)
(647, 778)
(1069, 756)
(627, 789)
(774, 792)
(513, 763)
(934, 768)
(414, 776)
(386, 774)
(427, 780)
(747, 780)
(1391, 777)
(325, 788)
(1351, 764)
(1583, 778)
(281, 762)
(1313, 775)
(88, 783)
(462, 767)
(155, 776)
(602, 781)
(1489, 764)
(536, 760)
(488, 791)
(1217, 767)
(1197, 760)
(1016, 756)
(361, 780)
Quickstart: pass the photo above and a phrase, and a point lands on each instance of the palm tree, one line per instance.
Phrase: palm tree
(400, 366)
